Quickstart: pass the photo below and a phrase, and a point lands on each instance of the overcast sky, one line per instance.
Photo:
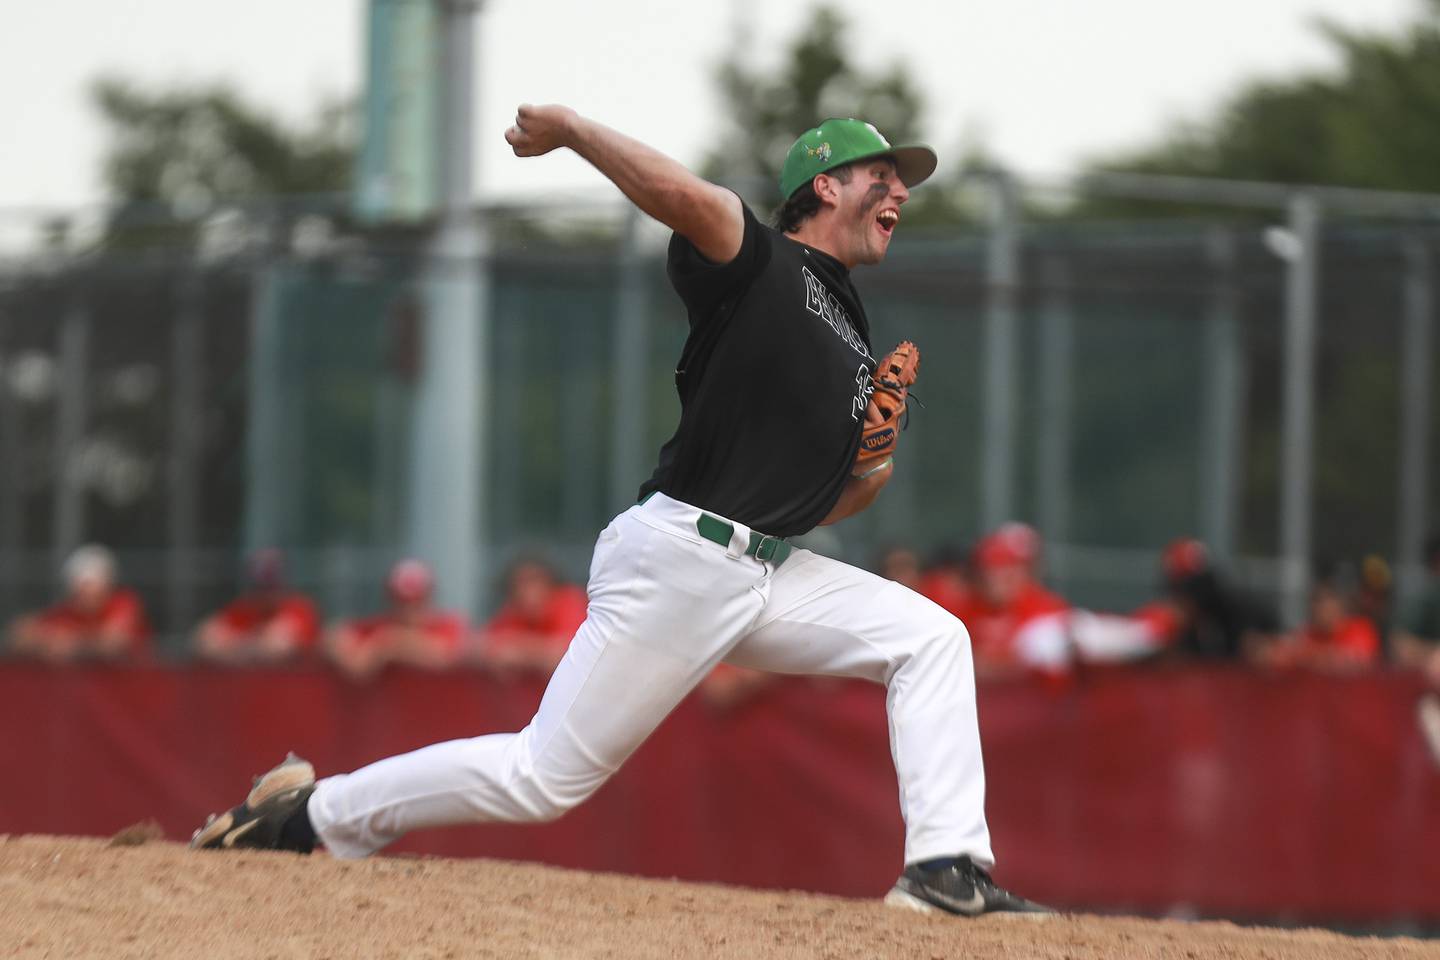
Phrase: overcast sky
(1044, 83)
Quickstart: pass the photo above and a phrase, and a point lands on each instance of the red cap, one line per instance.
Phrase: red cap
(997, 551)
(410, 580)
(1184, 558)
(1023, 539)
(1009, 544)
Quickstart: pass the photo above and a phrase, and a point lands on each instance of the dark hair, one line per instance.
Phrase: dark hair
(804, 203)
(948, 555)
(520, 561)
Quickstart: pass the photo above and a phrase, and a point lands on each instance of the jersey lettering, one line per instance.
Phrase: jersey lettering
(824, 304)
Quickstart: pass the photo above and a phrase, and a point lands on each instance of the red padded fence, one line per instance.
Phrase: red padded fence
(1223, 792)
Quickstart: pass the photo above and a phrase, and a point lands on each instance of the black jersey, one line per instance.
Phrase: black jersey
(773, 381)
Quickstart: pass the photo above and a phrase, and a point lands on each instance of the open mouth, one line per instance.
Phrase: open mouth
(887, 219)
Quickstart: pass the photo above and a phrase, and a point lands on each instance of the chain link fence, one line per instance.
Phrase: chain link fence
(1257, 374)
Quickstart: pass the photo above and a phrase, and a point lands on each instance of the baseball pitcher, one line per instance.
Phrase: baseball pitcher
(700, 570)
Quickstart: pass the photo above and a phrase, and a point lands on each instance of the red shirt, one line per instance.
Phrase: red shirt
(993, 629)
(557, 622)
(122, 611)
(1354, 637)
(250, 616)
(947, 590)
(446, 631)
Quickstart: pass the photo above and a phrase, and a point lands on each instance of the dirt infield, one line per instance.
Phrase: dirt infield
(69, 897)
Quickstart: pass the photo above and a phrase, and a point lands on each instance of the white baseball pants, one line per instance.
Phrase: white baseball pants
(666, 606)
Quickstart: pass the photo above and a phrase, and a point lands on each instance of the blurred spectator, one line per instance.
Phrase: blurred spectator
(902, 565)
(947, 581)
(1120, 638)
(1008, 611)
(535, 624)
(728, 686)
(1024, 541)
(268, 624)
(1373, 598)
(1416, 642)
(411, 632)
(1334, 639)
(1208, 617)
(1015, 623)
(96, 620)
(1427, 717)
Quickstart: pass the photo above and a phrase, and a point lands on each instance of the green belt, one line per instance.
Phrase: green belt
(773, 550)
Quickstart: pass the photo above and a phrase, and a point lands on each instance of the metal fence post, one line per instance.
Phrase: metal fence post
(1297, 465)
(1057, 347)
(11, 516)
(389, 424)
(630, 362)
(268, 477)
(1417, 359)
(444, 515)
(1002, 274)
(1225, 384)
(68, 514)
(481, 535)
(186, 360)
(444, 489)
(506, 475)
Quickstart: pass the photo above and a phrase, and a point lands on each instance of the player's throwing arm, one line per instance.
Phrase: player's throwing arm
(705, 214)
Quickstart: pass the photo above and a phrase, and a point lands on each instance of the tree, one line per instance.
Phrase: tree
(178, 153)
(817, 79)
(1368, 123)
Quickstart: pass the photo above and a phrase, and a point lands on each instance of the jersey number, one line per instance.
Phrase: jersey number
(863, 389)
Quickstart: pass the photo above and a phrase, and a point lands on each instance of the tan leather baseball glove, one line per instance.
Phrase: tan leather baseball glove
(892, 380)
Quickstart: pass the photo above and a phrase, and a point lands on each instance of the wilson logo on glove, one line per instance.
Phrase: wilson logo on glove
(878, 441)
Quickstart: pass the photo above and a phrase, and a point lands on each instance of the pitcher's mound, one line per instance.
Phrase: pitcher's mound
(69, 897)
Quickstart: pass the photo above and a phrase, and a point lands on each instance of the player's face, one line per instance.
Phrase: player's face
(530, 589)
(870, 208)
(1001, 584)
(90, 592)
(1327, 608)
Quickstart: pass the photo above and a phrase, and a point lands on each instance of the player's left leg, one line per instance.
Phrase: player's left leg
(829, 618)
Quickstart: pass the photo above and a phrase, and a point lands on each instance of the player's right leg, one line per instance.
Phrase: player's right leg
(665, 607)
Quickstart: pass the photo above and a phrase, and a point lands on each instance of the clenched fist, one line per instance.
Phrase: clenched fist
(538, 130)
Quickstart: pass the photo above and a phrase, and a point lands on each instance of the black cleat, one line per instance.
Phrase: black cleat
(258, 822)
(963, 889)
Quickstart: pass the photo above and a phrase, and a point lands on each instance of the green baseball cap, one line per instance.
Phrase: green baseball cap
(841, 140)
